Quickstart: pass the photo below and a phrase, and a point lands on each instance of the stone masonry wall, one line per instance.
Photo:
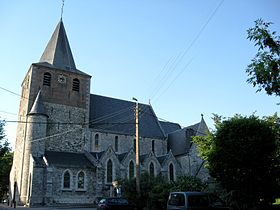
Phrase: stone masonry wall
(125, 143)
(57, 195)
(65, 128)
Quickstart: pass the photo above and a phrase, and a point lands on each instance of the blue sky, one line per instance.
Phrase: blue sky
(186, 57)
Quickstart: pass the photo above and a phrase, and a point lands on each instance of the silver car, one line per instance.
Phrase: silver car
(193, 201)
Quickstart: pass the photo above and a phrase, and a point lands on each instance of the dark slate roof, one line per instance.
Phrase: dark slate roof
(67, 159)
(169, 127)
(58, 52)
(38, 106)
(121, 156)
(161, 158)
(193, 127)
(39, 162)
(118, 116)
(200, 128)
(97, 155)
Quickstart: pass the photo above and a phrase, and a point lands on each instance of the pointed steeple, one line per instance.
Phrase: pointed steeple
(202, 128)
(38, 106)
(58, 52)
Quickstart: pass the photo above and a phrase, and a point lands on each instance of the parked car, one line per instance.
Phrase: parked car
(115, 204)
(194, 201)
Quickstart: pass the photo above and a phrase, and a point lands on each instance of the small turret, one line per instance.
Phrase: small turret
(34, 142)
(37, 127)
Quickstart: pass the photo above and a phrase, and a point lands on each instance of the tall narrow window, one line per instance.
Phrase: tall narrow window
(66, 180)
(96, 141)
(153, 146)
(152, 169)
(171, 172)
(131, 170)
(109, 171)
(76, 85)
(134, 145)
(81, 180)
(47, 79)
(116, 143)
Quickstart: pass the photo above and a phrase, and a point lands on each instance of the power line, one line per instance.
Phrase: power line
(10, 113)
(174, 79)
(180, 57)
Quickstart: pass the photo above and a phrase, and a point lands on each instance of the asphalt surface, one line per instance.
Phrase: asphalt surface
(6, 207)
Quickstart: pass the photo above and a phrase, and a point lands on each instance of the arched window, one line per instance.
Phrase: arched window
(134, 145)
(81, 180)
(116, 143)
(153, 146)
(76, 85)
(66, 180)
(152, 169)
(131, 170)
(96, 141)
(171, 172)
(109, 171)
(47, 79)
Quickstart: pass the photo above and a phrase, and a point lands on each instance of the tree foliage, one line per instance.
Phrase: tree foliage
(243, 155)
(6, 159)
(264, 71)
(155, 190)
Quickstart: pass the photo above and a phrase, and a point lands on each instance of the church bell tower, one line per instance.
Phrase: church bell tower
(63, 92)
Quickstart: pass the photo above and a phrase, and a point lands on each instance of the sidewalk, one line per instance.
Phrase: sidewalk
(6, 207)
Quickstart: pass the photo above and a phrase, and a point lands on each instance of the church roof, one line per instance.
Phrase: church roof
(38, 106)
(97, 155)
(161, 158)
(118, 116)
(67, 159)
(199, 129)
(169, 127)
(58, 52)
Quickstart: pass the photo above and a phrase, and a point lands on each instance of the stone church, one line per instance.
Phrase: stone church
(71, 145)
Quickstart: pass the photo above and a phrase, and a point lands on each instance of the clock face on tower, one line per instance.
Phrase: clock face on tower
(61, 79)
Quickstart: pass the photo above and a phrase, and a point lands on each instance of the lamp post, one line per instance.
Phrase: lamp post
(137, 154)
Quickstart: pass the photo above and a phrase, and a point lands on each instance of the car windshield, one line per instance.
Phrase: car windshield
(123, 201)
(176, 199)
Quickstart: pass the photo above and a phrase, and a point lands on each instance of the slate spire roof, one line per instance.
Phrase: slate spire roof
(38, 106)
(58, 52)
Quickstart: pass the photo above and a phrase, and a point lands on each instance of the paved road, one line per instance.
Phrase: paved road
(5, 207)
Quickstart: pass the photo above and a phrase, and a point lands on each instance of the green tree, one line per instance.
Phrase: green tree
(155, 190)
(6, 159)
(243, 155)
(189, 183)
(264, 71)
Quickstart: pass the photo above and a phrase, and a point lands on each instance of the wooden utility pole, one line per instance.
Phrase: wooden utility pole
(137, 153)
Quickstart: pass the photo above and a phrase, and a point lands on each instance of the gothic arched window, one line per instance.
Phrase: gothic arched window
(76, 85)
(47, 79)
(131, 169)
(66, 179)
(171, 172)
(96, 141)
(152, 169)
(81, 180)
(109, 172)
(116, 143)
(153, 146)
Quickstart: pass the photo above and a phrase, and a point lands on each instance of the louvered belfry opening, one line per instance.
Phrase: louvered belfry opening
(76, 85)
(47, 79)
